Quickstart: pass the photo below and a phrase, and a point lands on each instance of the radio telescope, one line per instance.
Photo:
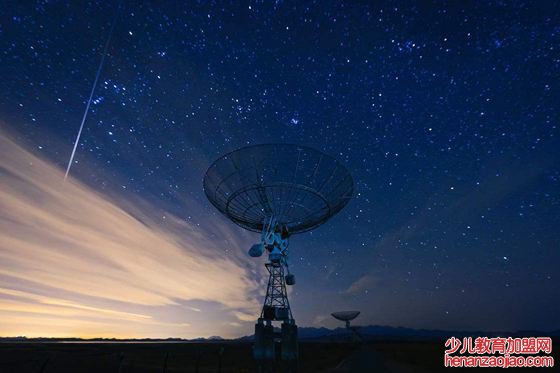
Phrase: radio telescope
(348, 316)
(277, 190)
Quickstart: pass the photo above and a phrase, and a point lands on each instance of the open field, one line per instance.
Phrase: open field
(152, 357)
(381, 356)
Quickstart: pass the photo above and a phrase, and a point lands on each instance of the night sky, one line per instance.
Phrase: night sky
(445, 113)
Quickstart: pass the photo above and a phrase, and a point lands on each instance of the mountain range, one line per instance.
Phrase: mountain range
(324, 334)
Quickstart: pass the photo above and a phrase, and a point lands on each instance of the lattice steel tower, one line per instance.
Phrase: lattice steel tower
(276, 294)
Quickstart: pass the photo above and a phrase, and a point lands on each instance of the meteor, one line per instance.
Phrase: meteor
(104, 54)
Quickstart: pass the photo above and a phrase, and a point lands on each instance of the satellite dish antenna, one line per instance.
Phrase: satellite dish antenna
(277, 190)
(346, 316)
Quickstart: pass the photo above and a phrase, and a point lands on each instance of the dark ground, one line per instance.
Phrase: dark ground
(152, 357)
(381, 356)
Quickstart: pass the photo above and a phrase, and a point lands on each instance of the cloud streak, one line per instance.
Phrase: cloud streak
(75, 262)
(364, 283)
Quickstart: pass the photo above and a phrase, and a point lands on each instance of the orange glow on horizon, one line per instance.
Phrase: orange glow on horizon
(74, 263)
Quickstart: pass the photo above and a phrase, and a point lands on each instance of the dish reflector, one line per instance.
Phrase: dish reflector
(345, 315)
(299, 186)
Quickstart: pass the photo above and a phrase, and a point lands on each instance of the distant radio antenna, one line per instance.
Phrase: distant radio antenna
(86, 111)
(348, 316)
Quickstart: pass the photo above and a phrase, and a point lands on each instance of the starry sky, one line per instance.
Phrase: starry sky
(446, 113)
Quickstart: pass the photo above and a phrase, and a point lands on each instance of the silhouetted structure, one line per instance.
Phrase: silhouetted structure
(348, 316)
(277, 190)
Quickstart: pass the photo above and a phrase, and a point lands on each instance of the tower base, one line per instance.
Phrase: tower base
(273, 351)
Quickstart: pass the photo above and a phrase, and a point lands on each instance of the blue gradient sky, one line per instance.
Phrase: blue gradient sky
(445, 113)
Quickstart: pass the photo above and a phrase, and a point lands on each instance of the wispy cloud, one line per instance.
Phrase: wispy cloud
(366, 282)
(321, 320)
(75, 262)
(244, 316)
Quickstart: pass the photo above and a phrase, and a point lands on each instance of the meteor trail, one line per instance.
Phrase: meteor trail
(71, 160)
